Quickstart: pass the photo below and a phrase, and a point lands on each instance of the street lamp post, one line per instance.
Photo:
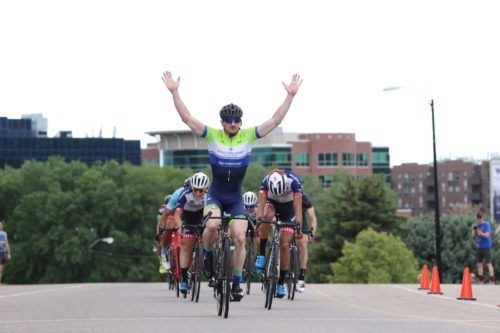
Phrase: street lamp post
(108, 240)
(436, 193)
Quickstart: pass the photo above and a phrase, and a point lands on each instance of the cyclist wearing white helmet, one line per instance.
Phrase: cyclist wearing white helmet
(229, 150)
(280, 194)
(250, 203)
(189, 211)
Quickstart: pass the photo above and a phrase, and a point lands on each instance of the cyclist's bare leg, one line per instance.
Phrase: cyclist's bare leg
(210, 232)
(264, 228)
(303, 243)
(238, 234)
(187, 245)
(286, 238)
(159, 225)
(166, 238)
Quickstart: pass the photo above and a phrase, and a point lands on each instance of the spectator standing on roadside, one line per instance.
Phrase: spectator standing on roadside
(481, 231)
(4, 249)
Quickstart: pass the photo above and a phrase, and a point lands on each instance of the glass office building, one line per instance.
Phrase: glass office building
(381, 162)
(198, 159)
(18, 144)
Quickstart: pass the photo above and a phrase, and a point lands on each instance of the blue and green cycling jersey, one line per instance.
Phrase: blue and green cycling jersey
(229, 158)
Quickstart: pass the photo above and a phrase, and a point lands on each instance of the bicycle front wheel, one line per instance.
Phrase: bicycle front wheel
(272, 276)
(227, 269)
(293, 272)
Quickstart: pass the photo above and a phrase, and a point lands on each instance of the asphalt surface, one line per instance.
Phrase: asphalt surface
(151, 307)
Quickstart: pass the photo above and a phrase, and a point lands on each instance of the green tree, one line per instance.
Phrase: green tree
(55, 210)
(375, 257)
(458, 248)
(253, 177)
(345, 209)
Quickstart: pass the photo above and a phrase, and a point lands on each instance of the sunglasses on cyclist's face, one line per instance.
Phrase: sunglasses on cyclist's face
(232, 120)
(199, 190)
(249, 206)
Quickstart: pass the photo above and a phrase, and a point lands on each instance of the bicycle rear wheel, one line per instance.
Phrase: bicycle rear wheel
(176, 271)
(293, 272)
(249, 268)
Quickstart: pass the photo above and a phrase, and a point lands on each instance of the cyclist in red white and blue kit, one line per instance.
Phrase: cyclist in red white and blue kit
(280, 195)
(229, 150)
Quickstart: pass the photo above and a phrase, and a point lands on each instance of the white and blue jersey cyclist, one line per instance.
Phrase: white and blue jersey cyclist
(189, 211)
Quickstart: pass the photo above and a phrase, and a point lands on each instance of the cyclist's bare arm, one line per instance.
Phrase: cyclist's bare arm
(314, 221)
(164, 216)
(297, 205)
(173, 86)
(266, 127)
(261, 205)
(177, 218)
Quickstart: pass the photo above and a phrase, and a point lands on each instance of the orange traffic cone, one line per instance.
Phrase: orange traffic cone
(435, 285)
(424, 280)
(466, 293)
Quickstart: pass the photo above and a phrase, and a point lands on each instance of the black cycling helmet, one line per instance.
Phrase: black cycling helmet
(230, 111)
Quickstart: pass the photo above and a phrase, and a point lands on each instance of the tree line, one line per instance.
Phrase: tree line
(55, 210)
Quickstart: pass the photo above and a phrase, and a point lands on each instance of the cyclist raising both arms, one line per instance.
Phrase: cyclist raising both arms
(229, 150)
(280, 194)
(190, 212)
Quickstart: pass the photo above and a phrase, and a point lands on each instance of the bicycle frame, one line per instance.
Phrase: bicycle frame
(222, 278)
(271, 271)
(195, 265)
(248, 268)
(174, 273)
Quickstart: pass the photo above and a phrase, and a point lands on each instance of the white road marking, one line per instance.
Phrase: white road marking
(446, 297)
(41, 291)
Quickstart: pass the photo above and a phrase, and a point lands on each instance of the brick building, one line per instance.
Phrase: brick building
(460, 183)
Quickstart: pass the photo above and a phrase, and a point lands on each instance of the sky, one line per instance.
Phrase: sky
(95, 67)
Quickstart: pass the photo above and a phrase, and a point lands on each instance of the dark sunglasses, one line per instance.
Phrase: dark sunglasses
(199, 190)
(249, 206)
(232, 120)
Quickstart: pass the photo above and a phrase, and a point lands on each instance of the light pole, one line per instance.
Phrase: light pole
(108, 240)
(436, 194)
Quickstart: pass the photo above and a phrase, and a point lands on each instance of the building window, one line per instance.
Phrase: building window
(327, 159)
(348, 159)
(380, 157)
(454, 175)
(326, 180)
(302, 159)
(362, 159)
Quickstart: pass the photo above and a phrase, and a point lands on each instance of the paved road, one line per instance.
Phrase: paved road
(150, 307)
